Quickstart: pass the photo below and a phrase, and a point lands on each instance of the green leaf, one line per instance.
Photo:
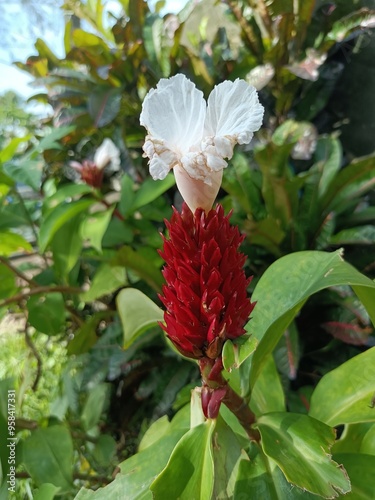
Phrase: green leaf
(137, 313)
(144, 267)
(104, 451)
(46, 491)
(127, 195)
(58, 217)
(347, 392)
(150, 190)
(328, 155)
(25, 171)
(268, 395)
(47, 313)
(94, 405)
(95, 226)
(357, 438)
(364, 235)
(85, 337)
(138, 472)
(106, 280)
(360, 468)
(261, 478)
(350, 183)
(300, 446)
(227, 455)
(67, 192)
(50, 140)
(240, 182)
(10, 149)
(104, 105)
(154, 433)
(11, 243)
(48, 457)
(7, 282)
(192, 463)
(66, 245)
(299, 276)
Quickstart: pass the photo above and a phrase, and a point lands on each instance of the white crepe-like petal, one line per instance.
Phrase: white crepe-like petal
(174, 112)
(107, 152)
(161, 159)
(233, 111)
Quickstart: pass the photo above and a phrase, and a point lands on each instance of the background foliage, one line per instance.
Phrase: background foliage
(78, 263)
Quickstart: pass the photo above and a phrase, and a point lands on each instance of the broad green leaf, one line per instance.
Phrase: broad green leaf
(50, 140)
(261, 478)
(94, 227)
(104, 105)
(48, 456)
(25, 171)
(137, 312)
(268, 395)
(360, 468)
(11, 243)
(85, 337)
(155, 432)
(192, 463)
(47, 313)
(364, 235)
(127, 194)
(240, 182)
(352, 181)
(66, 193)
(300, 445)
(346, 25)
(10, 149)
(347, 392)
(137, 473)
(145, 268)
(150, 190)
(298, 275)
(58, 217)
(286, 353)
(357, 438)
(94, 406)
(7, 282)
(105, 451)
(291, 132)
(66, 246)
(46, 491)
(328, 156)
(107, 279)
(227, 455)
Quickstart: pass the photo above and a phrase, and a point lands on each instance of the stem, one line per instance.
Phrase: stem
(34, 350)
(246, 28)
(38, 290)
(17, 272)
(238, 406)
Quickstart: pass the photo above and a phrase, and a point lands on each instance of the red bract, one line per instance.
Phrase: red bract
(205, 292)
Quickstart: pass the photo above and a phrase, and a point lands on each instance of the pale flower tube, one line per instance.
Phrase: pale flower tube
(194, 137)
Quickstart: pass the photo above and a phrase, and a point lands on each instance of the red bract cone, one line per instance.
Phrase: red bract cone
(205, 292)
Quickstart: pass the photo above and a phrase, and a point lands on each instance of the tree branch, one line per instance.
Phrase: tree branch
(39, 290)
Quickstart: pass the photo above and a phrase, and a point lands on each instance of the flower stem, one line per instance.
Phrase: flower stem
(238, 406)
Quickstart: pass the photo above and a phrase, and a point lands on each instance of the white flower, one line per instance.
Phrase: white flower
(193, 137)
(106, 153)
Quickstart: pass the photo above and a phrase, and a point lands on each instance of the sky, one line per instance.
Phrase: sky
(21, 39)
